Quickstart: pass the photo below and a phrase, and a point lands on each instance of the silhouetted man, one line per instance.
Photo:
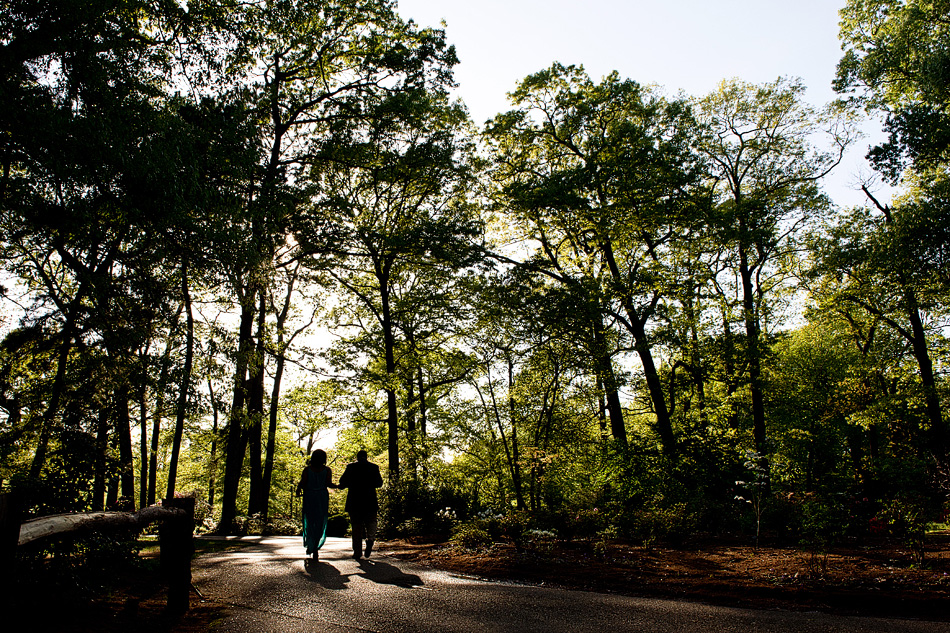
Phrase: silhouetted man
(361, 479)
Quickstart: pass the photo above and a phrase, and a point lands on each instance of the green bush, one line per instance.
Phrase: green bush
(255, 524)
(204, 517)
(560, 522)
(587, 523)
(514, 526)
(824, 522)
(782, 516)
(540, 540)
(413, 526)
(411, 508)
(673, 525)
(906, 517)
(472, 536)
(286, 526)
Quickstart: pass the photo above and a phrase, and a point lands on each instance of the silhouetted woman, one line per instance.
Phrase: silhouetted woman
(314, 483)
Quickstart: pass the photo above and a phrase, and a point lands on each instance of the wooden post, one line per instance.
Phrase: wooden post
(176, 541)
(9, 529)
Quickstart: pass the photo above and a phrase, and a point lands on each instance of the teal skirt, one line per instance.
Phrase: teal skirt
(316, 502)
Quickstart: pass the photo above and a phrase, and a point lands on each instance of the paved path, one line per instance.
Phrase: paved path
(269, 588)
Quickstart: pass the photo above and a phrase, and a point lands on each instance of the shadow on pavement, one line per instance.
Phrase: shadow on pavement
(386, 574)
(325, 574)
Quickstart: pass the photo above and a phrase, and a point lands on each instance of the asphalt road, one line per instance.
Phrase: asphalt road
(268, 587)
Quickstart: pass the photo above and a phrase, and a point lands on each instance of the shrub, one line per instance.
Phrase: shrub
(471, 536)
(284, 526)
(540, 540)
(824, 522)
(80, 564)
(410, 508)
(413, 526)
(337, 525)
(204, 517)
(906, 518)
(255, 524)
(514, 526)
(673, 524)
(587, 523)
(491, 522)
(783, 516)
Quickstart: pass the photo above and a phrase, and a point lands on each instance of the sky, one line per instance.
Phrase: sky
(679, 45)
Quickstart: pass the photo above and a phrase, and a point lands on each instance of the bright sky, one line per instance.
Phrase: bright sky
(680, 45)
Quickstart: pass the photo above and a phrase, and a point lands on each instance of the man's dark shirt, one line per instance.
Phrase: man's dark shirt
(361, 480)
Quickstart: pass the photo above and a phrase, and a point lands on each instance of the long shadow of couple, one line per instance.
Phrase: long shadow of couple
(372, 569)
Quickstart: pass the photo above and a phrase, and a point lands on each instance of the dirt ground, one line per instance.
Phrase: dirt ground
(879, 580)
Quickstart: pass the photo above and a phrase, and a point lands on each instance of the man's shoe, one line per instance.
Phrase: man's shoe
(367, 552)
(356, 555)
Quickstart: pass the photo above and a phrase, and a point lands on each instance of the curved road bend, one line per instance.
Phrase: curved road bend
(268, 588)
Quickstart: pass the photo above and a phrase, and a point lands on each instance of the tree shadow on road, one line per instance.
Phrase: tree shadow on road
(325, 574)
(386, 574)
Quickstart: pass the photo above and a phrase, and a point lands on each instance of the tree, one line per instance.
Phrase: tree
(896, 62)
(395, 189)
(304, 67)
(284, 338)
(766, 174)
(600, 175)
(866, 262)
(81, 132)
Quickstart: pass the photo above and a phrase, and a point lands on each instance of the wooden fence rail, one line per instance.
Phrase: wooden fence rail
(175, 532)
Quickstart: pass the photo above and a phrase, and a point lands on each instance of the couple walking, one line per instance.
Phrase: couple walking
(361, 479)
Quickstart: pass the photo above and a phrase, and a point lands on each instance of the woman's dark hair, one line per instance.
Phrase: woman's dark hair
(318, 458)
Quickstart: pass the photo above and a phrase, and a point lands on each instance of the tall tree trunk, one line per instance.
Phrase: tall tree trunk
(664, 425)
(925, 365)
(236, 438)
(918, 340)
(59, 386)
(423, 409)
(516, 455)
(185, 388)
(695, 356)
(753, 355)
(165, 364)
(389, 345)
(511, 454)
(272, 436)
(213, 466)
(423, 423)
(608, 379)
(123, 429)
(102, 447)
(601, 408)
(68, 333)
(283, 344)
(636, 323)
(143, 429)
(272, 423)
(729, 366)
(411, 464)
(112, 493)
(143, 449)
(255, 412)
